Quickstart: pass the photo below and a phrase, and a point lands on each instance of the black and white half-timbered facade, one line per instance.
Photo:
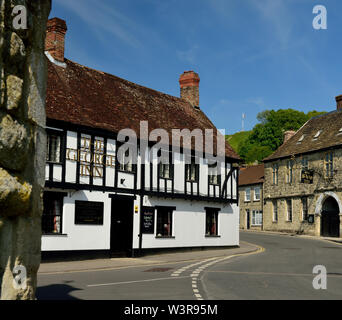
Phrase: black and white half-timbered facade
(95, 201)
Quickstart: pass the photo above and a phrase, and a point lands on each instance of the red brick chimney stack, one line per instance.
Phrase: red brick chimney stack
(189, 87)
(339, 102)
(55, 37)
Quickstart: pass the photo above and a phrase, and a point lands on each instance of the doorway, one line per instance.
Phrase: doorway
(248, 219)
(121, 233)
(330, 218)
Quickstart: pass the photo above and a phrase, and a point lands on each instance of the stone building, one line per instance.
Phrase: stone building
(303, 179)
(251, 180)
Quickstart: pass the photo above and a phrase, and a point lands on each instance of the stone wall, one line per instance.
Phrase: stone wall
(22, 143)
(321, 188)
(251, 205)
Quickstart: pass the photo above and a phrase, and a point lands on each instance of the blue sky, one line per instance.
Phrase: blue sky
(251, 55)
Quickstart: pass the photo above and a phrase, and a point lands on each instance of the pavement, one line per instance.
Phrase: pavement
(331, 239)
(148, 260)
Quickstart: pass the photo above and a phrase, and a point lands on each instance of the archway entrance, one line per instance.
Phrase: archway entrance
(330, 218)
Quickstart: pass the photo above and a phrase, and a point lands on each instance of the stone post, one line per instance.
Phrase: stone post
(23, 74)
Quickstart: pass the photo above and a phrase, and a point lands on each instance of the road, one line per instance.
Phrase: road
(284, 270)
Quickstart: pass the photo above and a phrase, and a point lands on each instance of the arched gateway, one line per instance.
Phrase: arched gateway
(329, 208)
(330, 218)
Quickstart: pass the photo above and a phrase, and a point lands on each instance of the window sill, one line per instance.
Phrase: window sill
(256, 200)
(256, 225)
(170, 179)
(247, 201)
(165, 237)
(274, 221)
(52, 162)
(212, 236)
(123, 171)
(55, 234)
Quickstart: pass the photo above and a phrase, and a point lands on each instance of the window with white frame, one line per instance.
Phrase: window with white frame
(329, 164)
(275, 211)
(248, 194)
(305, 210)
(304, 165)
(289, 174)
(257, 194)
(275, 168)
(257, 217)
(289, 209)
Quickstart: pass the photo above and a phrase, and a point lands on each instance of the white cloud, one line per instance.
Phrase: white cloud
(278, 16)
(105, 18)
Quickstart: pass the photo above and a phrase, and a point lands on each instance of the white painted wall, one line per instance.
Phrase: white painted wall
(81, 237)
(189, 225)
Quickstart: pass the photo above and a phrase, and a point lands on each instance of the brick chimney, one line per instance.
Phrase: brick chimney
(189, 87)
(55, 36)
(339, 102)
(288, 135)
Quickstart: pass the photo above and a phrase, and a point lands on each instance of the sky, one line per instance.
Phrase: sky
(251, 55)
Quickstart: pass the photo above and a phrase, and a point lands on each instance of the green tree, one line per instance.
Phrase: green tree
(268, 134)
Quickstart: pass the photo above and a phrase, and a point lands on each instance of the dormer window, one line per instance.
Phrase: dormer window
(301, 138)
(317, 134)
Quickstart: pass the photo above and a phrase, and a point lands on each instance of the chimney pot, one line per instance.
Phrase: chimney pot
(339, 102)
(189, 87)
(55, 38)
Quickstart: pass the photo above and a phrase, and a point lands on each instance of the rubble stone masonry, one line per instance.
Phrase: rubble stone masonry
(316, 193)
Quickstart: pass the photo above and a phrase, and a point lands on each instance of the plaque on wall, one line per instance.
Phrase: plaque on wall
(89, 212)
(148, 220)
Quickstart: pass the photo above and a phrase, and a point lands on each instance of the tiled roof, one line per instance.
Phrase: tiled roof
(318, 133)
(251, 175)
(83, 96)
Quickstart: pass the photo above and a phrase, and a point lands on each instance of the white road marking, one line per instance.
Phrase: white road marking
(135, 281)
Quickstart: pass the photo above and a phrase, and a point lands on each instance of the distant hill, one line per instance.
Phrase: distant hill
(237, 139)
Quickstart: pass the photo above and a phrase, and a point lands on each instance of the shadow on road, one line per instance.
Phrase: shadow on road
(56, 292)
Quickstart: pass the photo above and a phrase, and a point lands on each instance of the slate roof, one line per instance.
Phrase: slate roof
(251, 175)
(330, 125)
(83, 96)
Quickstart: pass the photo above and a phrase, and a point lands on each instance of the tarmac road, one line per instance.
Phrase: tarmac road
(284, 270)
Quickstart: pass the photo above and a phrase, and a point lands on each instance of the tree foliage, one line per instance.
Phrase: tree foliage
(268, 134)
